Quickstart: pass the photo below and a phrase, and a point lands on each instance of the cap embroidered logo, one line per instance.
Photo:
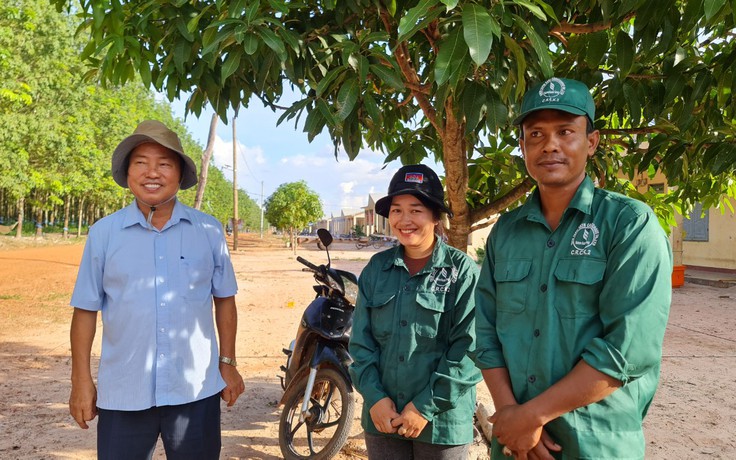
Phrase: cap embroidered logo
(552, 90)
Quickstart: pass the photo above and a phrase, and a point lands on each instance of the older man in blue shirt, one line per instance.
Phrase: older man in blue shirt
(153, 270)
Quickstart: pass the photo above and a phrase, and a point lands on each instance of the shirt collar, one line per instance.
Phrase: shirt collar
(582, 201)
(134, 216)
(438, 258)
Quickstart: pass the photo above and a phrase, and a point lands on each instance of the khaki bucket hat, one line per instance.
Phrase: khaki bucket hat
(157, 132)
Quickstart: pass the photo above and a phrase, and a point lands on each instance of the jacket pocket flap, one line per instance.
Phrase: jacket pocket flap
(512, 270)
(582, 271)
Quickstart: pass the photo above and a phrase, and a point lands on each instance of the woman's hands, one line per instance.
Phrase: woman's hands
(410, 423)
(382, 414)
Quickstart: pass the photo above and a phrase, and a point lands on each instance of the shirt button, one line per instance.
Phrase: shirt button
(163, 304)
(406, 288)
(160, 257)
(161, 355)
(532, 379)
(536, 332)
(401, 358)
(550, 243)
(543, 288)
(403, 322)
(162, 329)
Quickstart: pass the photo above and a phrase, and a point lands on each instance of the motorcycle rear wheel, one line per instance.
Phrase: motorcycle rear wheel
(322, 435)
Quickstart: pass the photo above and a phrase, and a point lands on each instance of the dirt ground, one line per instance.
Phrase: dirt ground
(693, 414)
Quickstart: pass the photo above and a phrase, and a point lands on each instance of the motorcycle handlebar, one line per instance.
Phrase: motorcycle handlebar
(309, 264)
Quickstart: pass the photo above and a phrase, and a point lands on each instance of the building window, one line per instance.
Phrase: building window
(695, 225)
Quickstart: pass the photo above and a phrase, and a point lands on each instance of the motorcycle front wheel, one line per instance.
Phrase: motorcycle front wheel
(324, 431)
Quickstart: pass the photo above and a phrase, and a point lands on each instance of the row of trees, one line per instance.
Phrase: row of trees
(58, 131)
(442, 78)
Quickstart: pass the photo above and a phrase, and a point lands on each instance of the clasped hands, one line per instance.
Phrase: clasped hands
(409, 423)
(522, 437)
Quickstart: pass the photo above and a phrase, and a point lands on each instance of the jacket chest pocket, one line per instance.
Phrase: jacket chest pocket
(381, 311)
(512, 284)
(579, 284)
(430, 308)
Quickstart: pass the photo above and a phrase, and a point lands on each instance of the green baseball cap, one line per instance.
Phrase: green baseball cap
(570, 96)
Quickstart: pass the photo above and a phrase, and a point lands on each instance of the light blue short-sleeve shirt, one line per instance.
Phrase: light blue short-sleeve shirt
(154, 289)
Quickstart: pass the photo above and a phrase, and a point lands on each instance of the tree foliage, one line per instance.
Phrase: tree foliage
(59, 131)
(292, 207)
(423, 78)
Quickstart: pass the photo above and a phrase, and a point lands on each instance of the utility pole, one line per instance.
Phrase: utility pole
(235, 187)
(262, 201)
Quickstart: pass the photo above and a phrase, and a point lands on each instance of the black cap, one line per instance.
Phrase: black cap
(417, 180)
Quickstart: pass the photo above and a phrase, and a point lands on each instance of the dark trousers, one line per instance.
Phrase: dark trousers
(188, 431)
(390, 448)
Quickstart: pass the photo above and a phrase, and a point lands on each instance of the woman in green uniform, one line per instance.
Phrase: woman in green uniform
(413, 325)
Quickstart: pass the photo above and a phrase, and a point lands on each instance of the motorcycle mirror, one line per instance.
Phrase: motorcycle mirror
(324, 236)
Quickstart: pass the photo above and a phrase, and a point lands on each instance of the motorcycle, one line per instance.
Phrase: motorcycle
(318, 392)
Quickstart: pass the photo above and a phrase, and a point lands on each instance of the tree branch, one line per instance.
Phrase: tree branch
(502, 203)
(411, 78)
(568, 28)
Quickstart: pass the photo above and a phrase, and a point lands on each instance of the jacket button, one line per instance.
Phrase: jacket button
(403, 322)
(550, 243)
(543, 288)
(536, 332)
(532, 379)
(401, 358)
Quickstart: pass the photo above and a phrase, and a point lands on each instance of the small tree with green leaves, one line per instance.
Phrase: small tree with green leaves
(292, 207)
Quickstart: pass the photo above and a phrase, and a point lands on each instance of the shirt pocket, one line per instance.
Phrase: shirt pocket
(429, 314)
(196, 278)
(579, 283)
(381, 311)
(512, 284)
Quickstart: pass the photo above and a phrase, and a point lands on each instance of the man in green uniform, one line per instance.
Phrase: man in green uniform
(573, 298)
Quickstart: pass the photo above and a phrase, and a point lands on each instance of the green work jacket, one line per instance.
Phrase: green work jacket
(598, 288)
(410, 340)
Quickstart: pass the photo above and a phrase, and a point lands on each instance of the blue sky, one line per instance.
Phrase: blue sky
(277, 155)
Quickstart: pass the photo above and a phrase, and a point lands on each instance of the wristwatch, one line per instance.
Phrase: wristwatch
(230, 361)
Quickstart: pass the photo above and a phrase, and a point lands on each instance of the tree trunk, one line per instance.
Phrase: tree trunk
(454, 159)
(204, 167)
(39, 223)
(21, 216)
(67, 206)
(80, 214)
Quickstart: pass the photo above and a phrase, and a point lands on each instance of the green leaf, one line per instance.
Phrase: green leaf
(346, 98)
(273, 41)
(449, 4)
(598, 46)
(250, 43)
(387, 76)
(231, 64)
(540, 47)
(314, 124)
(712, 7)
(473, 105)
(452, 51)
(624, 53)
(411, 22)
(369, 103)
(534, 9)
(327, 80)
(497, 114)
(674, 85)
(520, 65)
(477, 27)
(326, 112)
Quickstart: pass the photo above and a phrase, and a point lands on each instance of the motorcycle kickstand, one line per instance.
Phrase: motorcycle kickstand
(308, 394)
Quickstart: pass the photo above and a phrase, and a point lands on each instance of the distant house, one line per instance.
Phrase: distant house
(704, 241)
(375, 223)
